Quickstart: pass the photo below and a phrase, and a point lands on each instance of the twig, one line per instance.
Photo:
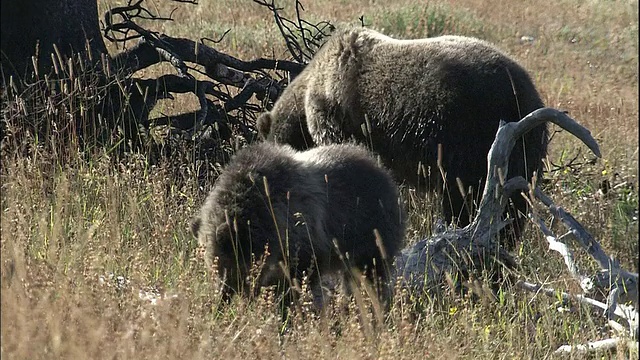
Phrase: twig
(566, 297)
(612, 275)
(215, 41)
(565, 252)
(593, 346)
(301, 50)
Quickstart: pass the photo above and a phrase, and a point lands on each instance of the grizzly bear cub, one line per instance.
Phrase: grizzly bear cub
(325, 210)
(414, 102)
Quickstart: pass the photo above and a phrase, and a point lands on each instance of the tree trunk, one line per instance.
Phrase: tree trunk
(32, 27)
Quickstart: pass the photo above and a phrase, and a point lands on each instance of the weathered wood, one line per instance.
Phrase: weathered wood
(456, 253)
(33, 28)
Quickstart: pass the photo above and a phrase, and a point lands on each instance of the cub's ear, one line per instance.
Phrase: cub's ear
(195, 226)
(264, 125)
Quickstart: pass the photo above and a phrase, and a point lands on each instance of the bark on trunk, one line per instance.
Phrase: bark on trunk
(32, 27)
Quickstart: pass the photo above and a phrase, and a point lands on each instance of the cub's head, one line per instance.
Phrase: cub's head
(223, 245)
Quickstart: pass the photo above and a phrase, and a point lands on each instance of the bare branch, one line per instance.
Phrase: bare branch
(202, 98)
(593, 346)
(310, 35)
(612, 275)
(566, 297)
(215, 41)
(127, 15)
(612, 303)
(174, 60)
(461, 251)
(142, 56)
(620, 284)
(493, 198)
(626, 313)
(565, 252)
(224, 70)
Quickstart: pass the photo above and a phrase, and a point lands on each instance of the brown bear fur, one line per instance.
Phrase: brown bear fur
(321, 205)
(415, 94)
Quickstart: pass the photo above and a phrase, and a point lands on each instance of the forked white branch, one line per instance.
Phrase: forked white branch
(620, 285)
(426, 266)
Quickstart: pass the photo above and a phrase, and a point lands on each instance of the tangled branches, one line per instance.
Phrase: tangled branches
(220, 108)
(456, 254)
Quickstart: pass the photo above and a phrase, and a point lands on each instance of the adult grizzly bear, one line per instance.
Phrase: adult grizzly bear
(322, 210)
(410, 96)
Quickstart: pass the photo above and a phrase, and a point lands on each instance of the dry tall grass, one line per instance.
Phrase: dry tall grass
(98, 262)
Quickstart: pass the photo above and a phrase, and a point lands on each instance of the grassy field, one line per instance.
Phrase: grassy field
(98, 261)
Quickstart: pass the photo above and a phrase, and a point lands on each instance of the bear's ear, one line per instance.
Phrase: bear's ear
(195, 226)
(264, 125)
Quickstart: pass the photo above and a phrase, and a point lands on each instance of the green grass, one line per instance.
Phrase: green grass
(82, 234)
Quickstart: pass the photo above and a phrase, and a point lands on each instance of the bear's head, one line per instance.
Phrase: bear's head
(285, 128)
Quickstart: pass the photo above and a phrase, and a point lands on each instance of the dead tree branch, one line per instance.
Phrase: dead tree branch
(456, 253)
(628, 313)
(620, 285)
(302, 37)
(144, 54)
(425, 266)
(249, 77)
(595, 345)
